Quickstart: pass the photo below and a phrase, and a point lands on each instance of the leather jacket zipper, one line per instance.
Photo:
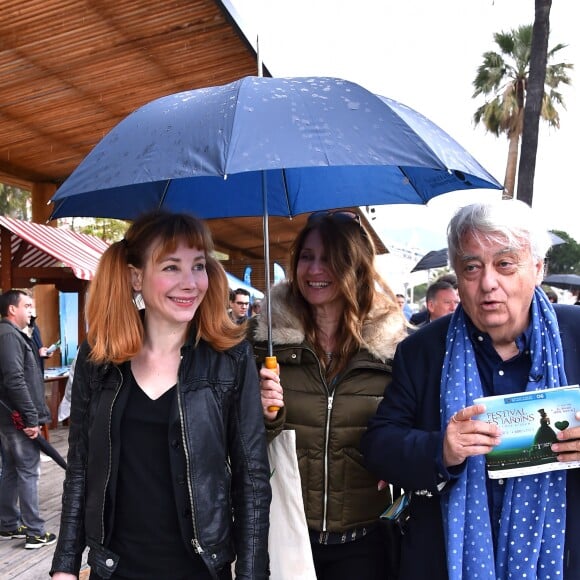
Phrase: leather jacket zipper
(194, 541)
(110, 466)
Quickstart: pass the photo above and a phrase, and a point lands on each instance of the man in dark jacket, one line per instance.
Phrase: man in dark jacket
(505, 337)
(441, 299)
(21, 390)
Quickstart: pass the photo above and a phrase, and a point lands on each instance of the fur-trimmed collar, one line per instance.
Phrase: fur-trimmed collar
(382, 331)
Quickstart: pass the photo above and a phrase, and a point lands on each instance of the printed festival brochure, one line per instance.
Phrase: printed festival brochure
(529, 422)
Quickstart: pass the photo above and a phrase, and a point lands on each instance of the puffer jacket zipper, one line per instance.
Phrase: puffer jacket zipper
(110, 442)
(330, 401)
(194, 541)
(330, 393)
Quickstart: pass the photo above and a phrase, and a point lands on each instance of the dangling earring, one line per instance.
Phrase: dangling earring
(138, 301)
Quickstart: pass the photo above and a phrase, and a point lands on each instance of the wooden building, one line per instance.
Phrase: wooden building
(70, 70)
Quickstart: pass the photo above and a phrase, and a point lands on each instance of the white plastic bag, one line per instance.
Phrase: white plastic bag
(289, 542)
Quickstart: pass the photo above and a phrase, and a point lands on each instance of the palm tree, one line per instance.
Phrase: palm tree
(504, 75)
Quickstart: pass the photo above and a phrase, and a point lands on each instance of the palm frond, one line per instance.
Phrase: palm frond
(504, 76)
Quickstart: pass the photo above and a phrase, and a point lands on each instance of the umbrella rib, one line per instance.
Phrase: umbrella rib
(286, 194)
(406, 175)
(164, 194)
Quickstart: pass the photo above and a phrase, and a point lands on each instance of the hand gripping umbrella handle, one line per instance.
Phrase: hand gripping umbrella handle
(271, 363)
(40, 441)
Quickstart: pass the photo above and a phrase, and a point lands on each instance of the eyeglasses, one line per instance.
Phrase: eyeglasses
(339, 216)
(242, 303)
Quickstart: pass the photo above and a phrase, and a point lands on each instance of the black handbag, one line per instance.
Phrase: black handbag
(393, 521)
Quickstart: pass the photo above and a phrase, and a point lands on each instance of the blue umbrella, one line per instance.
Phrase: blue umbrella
(268, 146)
(320, 143)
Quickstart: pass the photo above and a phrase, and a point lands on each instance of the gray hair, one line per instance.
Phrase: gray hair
(509, 220)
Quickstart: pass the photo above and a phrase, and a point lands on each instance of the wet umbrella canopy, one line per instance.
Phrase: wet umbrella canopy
(317, 142)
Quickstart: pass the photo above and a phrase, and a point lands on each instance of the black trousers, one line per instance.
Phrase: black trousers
(198, 573)
(363, 559)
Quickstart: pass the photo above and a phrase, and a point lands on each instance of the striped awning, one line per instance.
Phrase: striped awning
(38, 246)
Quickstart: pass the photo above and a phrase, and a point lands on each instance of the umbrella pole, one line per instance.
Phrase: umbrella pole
(266, 230)
(270, 361)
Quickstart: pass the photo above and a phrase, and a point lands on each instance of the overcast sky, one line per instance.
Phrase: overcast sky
(425, 54)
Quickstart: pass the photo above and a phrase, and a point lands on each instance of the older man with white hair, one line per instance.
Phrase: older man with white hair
(505, 337)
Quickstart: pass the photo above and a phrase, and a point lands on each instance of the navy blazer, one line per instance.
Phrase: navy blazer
(404, 439)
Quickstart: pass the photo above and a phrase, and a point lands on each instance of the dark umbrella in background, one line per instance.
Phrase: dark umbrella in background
(440, 259)
(563, 281)
(432, 259)
(42, 443)
(268, 146)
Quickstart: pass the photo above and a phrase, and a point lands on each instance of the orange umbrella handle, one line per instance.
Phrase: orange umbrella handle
(271, 363)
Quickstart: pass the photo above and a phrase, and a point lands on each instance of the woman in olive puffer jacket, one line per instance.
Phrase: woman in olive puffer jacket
(335, 327)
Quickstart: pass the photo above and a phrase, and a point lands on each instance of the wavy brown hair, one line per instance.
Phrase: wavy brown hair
(350, 254)
(115, 326)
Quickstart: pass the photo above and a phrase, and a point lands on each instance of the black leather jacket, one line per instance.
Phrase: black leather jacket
(219, 415)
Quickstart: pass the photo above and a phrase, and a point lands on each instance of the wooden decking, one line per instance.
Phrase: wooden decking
(15, 561)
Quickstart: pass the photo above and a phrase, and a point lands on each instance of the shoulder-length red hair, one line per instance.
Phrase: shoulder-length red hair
(115, 327)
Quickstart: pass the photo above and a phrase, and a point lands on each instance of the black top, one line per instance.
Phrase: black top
(146, 532)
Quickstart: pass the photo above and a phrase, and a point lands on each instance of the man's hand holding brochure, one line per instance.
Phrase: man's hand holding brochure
(530, 423)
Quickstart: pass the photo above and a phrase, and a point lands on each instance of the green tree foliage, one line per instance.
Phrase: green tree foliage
(564, 258)
(106, 229)
(15, 202)
(419, 292)
(503, 77)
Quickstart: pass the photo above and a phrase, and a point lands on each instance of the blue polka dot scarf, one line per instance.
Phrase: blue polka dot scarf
(533, 517)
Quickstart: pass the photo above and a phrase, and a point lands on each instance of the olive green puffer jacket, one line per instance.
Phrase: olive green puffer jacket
(329, 419)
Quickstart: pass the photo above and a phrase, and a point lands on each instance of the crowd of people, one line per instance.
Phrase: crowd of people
(172, 410)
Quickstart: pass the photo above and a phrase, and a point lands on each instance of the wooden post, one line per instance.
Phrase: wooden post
(46, 295)
(6, 261)
(41, 210)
